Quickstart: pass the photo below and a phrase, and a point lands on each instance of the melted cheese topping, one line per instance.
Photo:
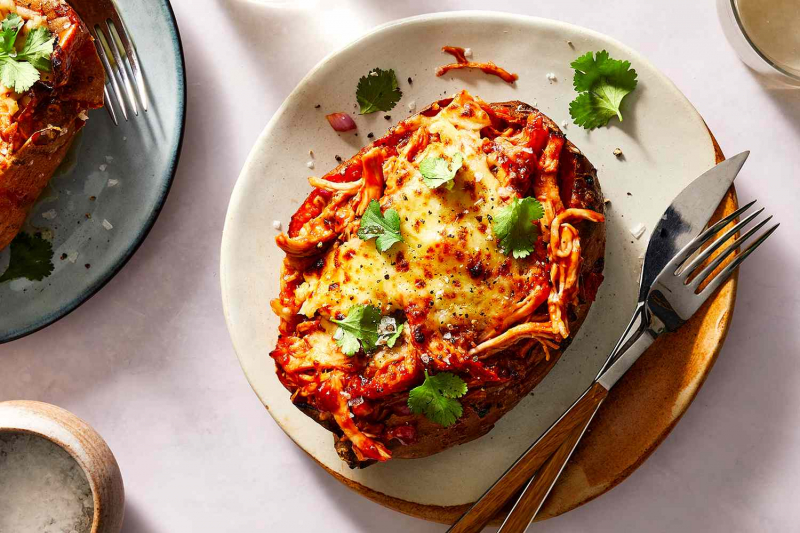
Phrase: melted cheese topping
(449, 263)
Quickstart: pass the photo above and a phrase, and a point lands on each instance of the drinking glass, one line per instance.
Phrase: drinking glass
(765, 35)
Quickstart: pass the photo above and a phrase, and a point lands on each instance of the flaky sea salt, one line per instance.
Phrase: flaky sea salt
(412, 105)
(638, 230)
(467, 52)
(310, 164)
(276, 224)
(49, 215)
(113, 182)
(103, 167)
(42, 488)
(551, 76)
(107, 224)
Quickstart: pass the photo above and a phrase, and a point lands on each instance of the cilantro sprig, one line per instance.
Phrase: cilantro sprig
(20, 69)
(363, 327)
(603, 83)
(383, 227)
(436, 172)
(515, 227)
(31, 257)
(436, 398)
(377, 91)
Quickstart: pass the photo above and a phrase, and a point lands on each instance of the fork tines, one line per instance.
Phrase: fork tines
(687, 267)
(122, 67)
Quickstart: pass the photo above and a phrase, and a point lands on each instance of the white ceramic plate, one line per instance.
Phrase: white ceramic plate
(665, 145)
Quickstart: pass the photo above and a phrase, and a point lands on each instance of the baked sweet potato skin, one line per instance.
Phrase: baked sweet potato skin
(483, 407)
(49, 118)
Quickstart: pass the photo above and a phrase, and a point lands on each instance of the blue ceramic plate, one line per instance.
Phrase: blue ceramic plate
(104, 199)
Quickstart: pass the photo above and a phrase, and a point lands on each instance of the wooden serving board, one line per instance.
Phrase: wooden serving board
(639, 413)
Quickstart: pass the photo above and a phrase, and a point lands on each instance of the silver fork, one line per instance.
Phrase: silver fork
(676, 294)
(687, 280)
(122, 68)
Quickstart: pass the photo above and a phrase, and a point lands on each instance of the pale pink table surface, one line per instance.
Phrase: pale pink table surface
(148, 361)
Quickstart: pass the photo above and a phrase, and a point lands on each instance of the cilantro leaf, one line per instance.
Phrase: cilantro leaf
(361, 324)
(515, 228)
(589, 111)
(377, 91)
(10, 28)
(30, 258)
(436, 398)
(38, 48)
(435, 171)
(12, 22)
(386, 226)
(347, 341)
(389, 331)
(603, 83)
(20, 70)
(17, 75)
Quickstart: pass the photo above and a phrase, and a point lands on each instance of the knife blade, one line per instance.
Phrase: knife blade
(686, 216)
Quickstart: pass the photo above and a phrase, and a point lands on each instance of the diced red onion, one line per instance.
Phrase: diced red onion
(341, 121)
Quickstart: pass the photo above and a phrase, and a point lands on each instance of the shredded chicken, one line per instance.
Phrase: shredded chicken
(332, 186)
(513, 335)
(363, 446)
(373, 179)
(521, 310)
(461, 62)
(565, 249)
(316, 232)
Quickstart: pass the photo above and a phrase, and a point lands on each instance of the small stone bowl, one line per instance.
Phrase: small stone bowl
(81, 442)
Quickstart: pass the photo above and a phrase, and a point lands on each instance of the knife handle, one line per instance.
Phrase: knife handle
(510, 483)
(536, 492)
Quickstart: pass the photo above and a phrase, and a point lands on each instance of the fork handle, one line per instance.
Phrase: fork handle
(536, 492)
(482, 512)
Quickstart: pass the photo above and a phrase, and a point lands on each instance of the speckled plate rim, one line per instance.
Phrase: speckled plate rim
(721, 305)
(90, 291)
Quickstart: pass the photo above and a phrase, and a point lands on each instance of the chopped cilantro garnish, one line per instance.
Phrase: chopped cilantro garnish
(435, 171)
(515, 226)
(602, 83)
(378, 91)
(365, 328)
(386, 226)
(19, 70)
(30, 258)
(436, 398)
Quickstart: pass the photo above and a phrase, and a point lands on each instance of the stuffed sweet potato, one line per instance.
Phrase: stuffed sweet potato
(40, 112)
(432, 280)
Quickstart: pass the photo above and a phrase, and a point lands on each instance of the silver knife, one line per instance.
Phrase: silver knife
(683, 220)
